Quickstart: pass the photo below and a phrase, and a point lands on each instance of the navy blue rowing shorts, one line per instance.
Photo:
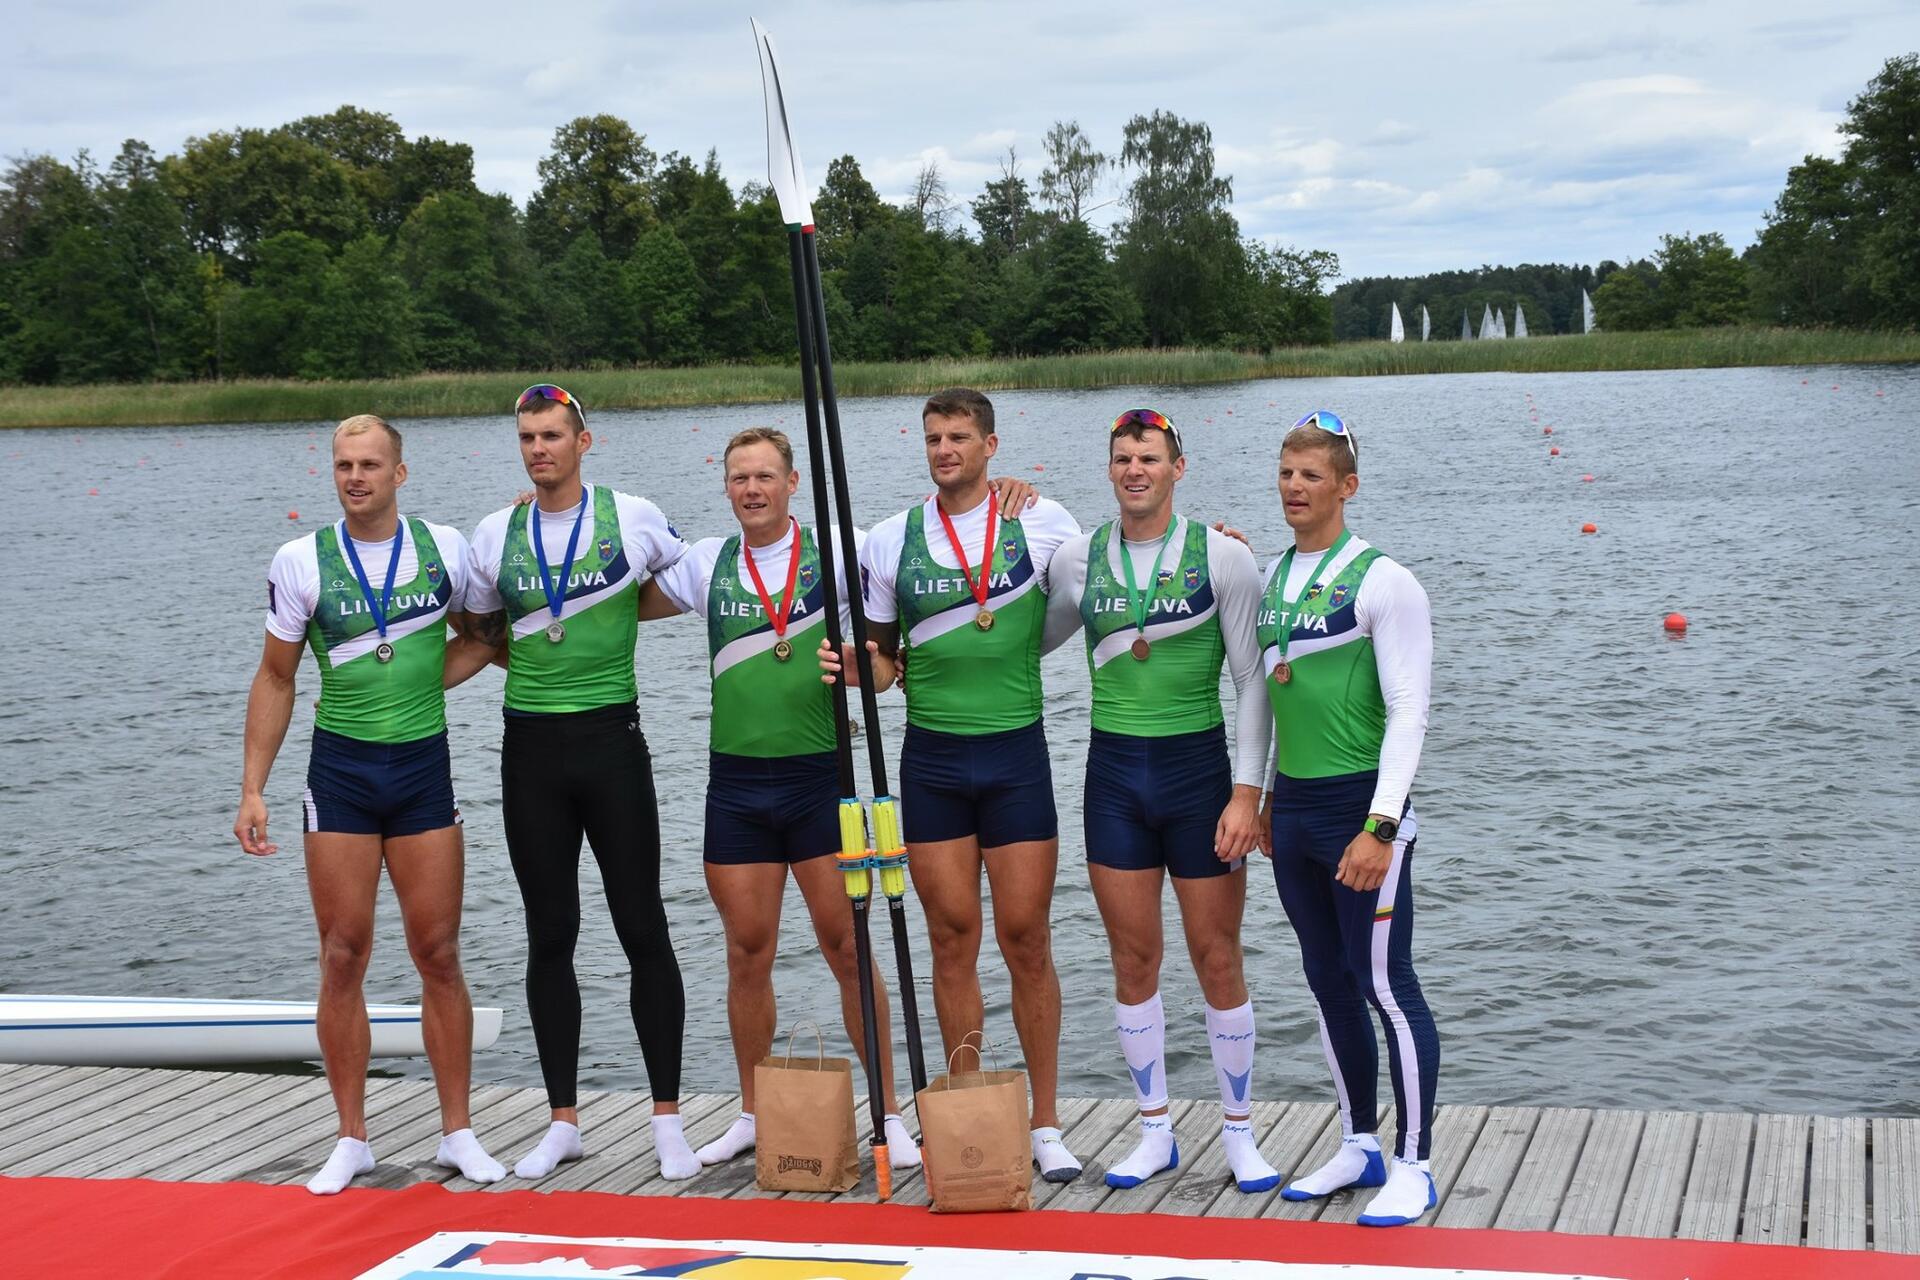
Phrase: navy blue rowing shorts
(1156, 802)
(384, 789)
(772, 809)
(997, 787)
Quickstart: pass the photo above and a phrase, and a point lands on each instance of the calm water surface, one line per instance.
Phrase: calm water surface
(1653, 872)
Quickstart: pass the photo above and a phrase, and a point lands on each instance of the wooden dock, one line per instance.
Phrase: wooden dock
(1843, 1182)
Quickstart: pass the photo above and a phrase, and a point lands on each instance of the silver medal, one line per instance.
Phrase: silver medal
(383, 653)
(556, 632)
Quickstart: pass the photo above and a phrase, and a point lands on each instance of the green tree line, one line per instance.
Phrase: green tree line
(337, 247)
(1839, 248)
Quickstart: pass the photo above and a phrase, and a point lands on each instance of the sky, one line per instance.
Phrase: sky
(1403, 136)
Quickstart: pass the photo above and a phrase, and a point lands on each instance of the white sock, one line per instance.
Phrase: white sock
(559, 1144)
(737, 1140)
(1230, 1037)
(1358, 1163)
(1142, 1031)
(1157, 1151)
(351, 1157)
(902, 1151)
(1056, 1162)
(1251, 1172)
(677, 1161)
(1408, 1194)
(461, 1150)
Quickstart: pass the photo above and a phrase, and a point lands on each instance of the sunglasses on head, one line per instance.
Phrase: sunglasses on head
(547, 391)
(1147, 418)
(1332, 424)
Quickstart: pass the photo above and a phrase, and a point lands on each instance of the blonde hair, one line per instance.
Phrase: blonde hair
(361, 423)
(1345, 460)
(760, 435)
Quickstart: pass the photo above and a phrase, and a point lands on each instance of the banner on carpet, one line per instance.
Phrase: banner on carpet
(457, 1255)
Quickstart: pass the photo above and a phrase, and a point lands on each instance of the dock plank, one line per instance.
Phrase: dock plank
(290, 1136)
(1325, 1142)
(1651, 1205)
(1599, 1182)
(129, 1095)
(1540, 1183)
(50, 1092)
(1488, 1169)
(1717, 1184)
(1837, 1184)
(1775, 1209)
(1089, 1191)
(1896, 1184)
(641, 1176)
(600, 1114)
(107, 1153)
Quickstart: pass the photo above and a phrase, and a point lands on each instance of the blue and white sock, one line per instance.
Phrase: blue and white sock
(1230, 1039)
(1409, 1193)
(1157, 1151)
(1358, 1163)
(1142, 1031)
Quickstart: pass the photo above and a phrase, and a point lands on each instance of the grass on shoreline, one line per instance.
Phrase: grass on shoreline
(445, 394)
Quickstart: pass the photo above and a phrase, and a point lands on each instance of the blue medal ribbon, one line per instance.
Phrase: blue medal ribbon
(557, 596)
(379, 611)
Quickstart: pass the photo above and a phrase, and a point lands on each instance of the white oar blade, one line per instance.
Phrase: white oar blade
(783, 162)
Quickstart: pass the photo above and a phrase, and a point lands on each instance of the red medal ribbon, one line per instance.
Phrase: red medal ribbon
(979, 588)
(778, 617)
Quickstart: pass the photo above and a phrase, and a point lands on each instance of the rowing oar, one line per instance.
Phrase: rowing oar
(856, 859)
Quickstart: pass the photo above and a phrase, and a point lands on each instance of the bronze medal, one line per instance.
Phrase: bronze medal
(1141, 649)
(984, 619)
(782, 651)
(1283, 673)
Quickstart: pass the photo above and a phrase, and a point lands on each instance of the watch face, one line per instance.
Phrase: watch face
(1386, 829)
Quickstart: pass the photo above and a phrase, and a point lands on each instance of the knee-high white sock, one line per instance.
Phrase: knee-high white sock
(461, 1150)
(677, 1161)
(1230, 1039)
(1143, 1043)
(351, 1157)
(1157, 1151)
(1408, 1194)
(737, 1140)
(559, 1144)
(1358, 1163)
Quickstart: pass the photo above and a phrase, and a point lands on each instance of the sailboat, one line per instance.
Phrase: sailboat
(1500, 323)
(1396, 332)
(1486, 323)
(1426, 324)
(1587, 322)
(1466, 325)
(1519, 321)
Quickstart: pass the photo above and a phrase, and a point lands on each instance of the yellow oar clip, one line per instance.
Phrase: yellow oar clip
(855, 858)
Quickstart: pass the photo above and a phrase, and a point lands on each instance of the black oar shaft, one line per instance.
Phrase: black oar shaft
(909, 1002)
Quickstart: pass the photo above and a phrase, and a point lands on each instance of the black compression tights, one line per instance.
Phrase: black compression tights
(561, 777)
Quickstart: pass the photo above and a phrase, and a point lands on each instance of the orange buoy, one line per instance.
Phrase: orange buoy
(1836, 386)
(903, 431)
(1803, 382)
(709, 459)
(1229, 413)
(1038, 467)
(696, 431)
(1589, 527)
(1546, 431)
(1676, 622)
(1588, 478)
(293, 515)
(1554, 452)
(312, 447)
(93, 493)
(313, 471)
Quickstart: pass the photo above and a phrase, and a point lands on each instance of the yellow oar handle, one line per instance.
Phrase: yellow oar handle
(855, 858)
(891, 853)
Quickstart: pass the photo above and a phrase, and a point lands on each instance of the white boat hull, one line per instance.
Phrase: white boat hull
(111, 1031)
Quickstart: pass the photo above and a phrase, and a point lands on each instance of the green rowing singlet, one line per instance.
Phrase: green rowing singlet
(1330, 719)
(762, 706)
(360, 696)
(1177, 689)
(593, 666)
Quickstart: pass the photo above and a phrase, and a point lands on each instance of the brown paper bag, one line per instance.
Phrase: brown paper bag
(973, 1140)
(804, 1137)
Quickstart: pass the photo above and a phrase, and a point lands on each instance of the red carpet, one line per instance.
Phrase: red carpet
(74, 1227)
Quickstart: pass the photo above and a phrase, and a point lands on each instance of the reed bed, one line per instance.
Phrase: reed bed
(448, 394)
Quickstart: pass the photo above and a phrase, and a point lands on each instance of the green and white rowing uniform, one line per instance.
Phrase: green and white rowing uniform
(964, 679)
(1200, 616)
(1359, 647)
(763, 706)
(313, 596)
(623, 541)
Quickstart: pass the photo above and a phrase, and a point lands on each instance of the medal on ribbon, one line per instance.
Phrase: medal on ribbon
(557, 594)
(383, 652)
(776, 617)
(984, 618)
(1316, 583)
(1140, 603)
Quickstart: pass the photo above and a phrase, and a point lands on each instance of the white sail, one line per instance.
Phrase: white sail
(1466, 325)
(1500, 323)
(1396, 331)
(1486, 324)
(1426, 324)
(1587, 322)
(1519, 321)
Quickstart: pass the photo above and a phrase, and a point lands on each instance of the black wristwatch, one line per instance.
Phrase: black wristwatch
(1382, 829)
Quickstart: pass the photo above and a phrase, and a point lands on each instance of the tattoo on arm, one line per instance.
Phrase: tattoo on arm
(489, 628)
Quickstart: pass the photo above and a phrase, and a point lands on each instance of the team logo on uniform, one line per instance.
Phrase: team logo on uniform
(1192, 577)
(807, 576)
(606, 548)
(726, 584)
(339, 584)
(916, 563)
(433, 572)
(1339, 596)
(518, 558)
(1314, 590)
(1166, 576)
(1011, 547)
(1100, 581)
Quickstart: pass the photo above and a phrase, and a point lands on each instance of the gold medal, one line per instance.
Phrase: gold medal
(984, 619)
(1141, 649)
(782, 651)
(1283, 672)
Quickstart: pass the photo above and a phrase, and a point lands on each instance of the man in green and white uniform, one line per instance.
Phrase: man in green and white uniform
(963, 585)
(372, 595)
(557, 582)
(1164, 601)
(773, 786)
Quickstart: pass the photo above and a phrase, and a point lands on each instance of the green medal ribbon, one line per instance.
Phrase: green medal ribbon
(1139, 601)
(1308, 588)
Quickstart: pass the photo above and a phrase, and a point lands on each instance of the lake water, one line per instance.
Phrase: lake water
(1653, 872)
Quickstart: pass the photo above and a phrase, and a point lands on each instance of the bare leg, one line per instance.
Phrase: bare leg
(748, 897)
(428, 872)
(343, 874)
(1021, 878)
(1210, 912)
(946, 878)
(827, 904)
